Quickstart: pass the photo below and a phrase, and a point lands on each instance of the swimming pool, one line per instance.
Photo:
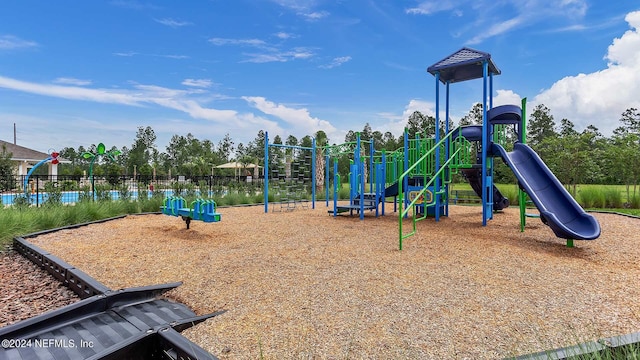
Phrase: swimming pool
(70, 197)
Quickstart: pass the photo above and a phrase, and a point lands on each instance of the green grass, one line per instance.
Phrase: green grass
(24, 220)
(588, 196)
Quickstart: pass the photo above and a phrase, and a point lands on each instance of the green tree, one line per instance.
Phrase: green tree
(473, 117)
(7, 170)
(540, 126)
(142, 148)
(416, 124)
(225, 148)
(389, 142)
(631, 120)
(321, 141)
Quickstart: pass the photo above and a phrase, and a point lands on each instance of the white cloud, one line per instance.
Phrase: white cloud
(167, 56)
(485, 21)
(496, 29)
(126, 54)
(316, 15)
(336, 62)
(304, 8)
(173, 23)
(268, 52)
(284, 35)
(246, 42)
(431, 7)
(506, 97)
(10, 42)
(278, 56)
(299, 120)
(600, 98)
(71, 92)
(134, 5)
(397, 122)
(144, 95)
(171, 56)
(201, 83)
(72, 81)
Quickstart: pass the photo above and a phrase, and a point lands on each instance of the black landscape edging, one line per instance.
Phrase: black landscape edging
(86, 287)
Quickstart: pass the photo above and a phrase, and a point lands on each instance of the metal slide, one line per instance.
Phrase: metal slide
(558, 209)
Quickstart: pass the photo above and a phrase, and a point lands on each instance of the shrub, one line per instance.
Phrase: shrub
(103, 193)
(591, 197)
(635, 202)
(510, 192)
(232, 198)
(343, 193)
(203, 187)
(143, 194)
(54, 193)
(21, 201)
(85, 194)
(178, 188)
(613, 198)
(69, 185)
(124, 193)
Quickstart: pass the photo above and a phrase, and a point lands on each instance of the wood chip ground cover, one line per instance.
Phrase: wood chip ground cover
(303, 284)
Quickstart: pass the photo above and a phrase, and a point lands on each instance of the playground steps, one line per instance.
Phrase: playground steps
(369, 200)
(129, 323)
(369, 203)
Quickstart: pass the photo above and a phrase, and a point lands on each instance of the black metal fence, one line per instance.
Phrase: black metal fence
(74, 187)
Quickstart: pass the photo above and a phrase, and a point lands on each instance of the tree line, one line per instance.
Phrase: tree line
(575, 157)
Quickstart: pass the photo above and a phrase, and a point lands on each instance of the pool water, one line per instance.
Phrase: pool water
(70, 197)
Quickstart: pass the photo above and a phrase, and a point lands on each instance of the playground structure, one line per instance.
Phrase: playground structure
(200, 210)
(290, 171)
(419, 174)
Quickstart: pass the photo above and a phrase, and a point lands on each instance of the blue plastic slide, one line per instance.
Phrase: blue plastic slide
(557, 207)
(473, 175)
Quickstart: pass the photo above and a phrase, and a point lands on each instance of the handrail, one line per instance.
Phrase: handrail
(456, 148)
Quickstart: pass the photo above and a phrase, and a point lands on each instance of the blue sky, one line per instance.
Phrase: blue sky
(81, 72)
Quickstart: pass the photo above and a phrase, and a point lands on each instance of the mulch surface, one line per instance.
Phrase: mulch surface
(27, 290)
(303, 284)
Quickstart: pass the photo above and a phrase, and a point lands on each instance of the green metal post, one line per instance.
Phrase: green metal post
(522, 196)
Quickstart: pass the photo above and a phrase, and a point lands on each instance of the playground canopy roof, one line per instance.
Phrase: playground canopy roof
(237, 165)
(464, 64)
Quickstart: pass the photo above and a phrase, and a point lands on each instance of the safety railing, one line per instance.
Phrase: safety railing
(459, 153)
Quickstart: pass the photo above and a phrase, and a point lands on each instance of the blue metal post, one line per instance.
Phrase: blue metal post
(371, 165)
(266, 172)
(405, 182)
(313, 174)
(436, 183)
(335, 187)
(384, 179)
(485, 143)
(360, 166)
(490, 90)
(490, 139)
(447, 151)
(326, 182)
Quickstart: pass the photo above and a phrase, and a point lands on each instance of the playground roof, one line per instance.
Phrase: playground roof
(464, 64)
(21, 153)
(237, 165)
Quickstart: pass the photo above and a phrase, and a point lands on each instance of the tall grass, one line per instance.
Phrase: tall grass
(591, 198)
(24, 220)
(510, 192)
